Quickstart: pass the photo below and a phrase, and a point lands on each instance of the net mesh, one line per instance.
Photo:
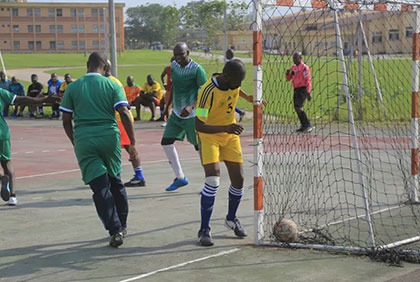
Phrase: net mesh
(347, 182)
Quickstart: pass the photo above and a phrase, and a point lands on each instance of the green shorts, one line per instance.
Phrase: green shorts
(99, 155)
(177, 128)
(5, 150)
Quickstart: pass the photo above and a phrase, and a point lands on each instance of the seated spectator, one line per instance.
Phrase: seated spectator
(132, 92)
(54, 90)
(4, 83)
(67, 81)
(36, 89)
(151, 96)
(18, 89)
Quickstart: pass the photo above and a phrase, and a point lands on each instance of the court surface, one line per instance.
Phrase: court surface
(54, 233)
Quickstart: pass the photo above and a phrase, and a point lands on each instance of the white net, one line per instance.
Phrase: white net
(347, 183)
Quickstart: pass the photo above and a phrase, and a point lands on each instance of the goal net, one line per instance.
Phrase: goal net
(351, 184)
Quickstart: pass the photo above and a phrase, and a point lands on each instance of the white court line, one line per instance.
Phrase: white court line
(180, 265)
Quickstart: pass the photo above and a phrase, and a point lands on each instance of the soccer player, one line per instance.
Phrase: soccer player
(229, 55)
(300, 75)
(90, 103)
(218, 136)
(187, 77)
(7, 192)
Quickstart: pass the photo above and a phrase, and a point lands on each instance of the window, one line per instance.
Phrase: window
(394, 34)
(59, 28)
(60, 44)
(59, 12)
(73, 28)
(37, 12)
(95, 28)
(377, 37)
(409, 32)
(38, 45)
(15, 12)
(82, 28)
(82, 45)
(95, 44)
(51, 12)
(30, 28)
(38, 28)
(311, 27)
(81, 12)
(74, 44)
(15, 28)
(95, 12)
(31, 45)
(29, 12)
(16, 45)
(72, 12)
(52, 45)
(52, 28)
(102, 28)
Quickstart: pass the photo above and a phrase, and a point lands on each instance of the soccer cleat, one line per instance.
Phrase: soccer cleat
(301, 129)
(236, 226)
(308, 129)
(5, 191)
(124, 232)
(116, 240)
(177, 183)
(204, 238)
(135, 182)
(241, 116)
(152, 119)
(12, 201)
(163, 124)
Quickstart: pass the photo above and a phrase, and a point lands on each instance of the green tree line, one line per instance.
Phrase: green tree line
(198, 22)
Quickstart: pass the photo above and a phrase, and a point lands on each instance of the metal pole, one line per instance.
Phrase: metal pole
(113, 40)
(106, 51)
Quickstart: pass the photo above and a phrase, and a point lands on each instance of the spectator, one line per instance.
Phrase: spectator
(18, 89)
(54, 90)
(67, 80)
(36, 89)
(132, 92)
(187, 77)
(4, 84)
(151, 96)
(89, 122)
(7, 192)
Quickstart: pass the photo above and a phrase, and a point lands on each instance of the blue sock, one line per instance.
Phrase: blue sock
(237, 110)
(235, 196)
(208, 195)
(139, 172)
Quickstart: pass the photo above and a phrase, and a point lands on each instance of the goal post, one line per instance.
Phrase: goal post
(352, 183)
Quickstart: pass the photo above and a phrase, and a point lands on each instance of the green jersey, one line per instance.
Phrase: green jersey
(186, 82)
(93, 99)
(6, 98)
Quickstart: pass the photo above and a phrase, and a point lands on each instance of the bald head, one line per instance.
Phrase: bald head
(181, 53)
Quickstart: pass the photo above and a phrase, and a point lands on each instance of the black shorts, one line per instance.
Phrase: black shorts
(299, 97)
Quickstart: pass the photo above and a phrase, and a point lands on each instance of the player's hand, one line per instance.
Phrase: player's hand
(234, 128)
(52, 99)
(264, 102)
(132, 152)
(186, 111)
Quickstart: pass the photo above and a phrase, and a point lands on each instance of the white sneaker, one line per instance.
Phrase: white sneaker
(12, 201)
(163, 124)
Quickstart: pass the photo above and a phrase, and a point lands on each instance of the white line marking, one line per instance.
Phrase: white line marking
(180, 265)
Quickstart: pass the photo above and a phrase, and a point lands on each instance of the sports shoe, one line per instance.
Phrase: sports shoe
(12, 201)
(308, 129)
(135, 182)
(177, 183)
(32, 115)
(19, 115)
(204, 238)
(124, 232)
(161, 119)
(236, 226)
(5, 191)
(301, 129)
(152, 119)
(241, 116)
(13, 115)
(163, 124)
(116, 240)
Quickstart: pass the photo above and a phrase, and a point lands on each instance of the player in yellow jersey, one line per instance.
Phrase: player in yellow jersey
(218, 138)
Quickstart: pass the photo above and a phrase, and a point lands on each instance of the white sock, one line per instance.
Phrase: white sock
(172, 155)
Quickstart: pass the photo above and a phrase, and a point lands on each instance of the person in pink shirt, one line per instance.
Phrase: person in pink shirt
(300, 75)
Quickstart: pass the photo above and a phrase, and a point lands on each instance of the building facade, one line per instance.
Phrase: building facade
(58, 27)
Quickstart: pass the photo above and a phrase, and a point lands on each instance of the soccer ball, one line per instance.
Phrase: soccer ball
(285, 230)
